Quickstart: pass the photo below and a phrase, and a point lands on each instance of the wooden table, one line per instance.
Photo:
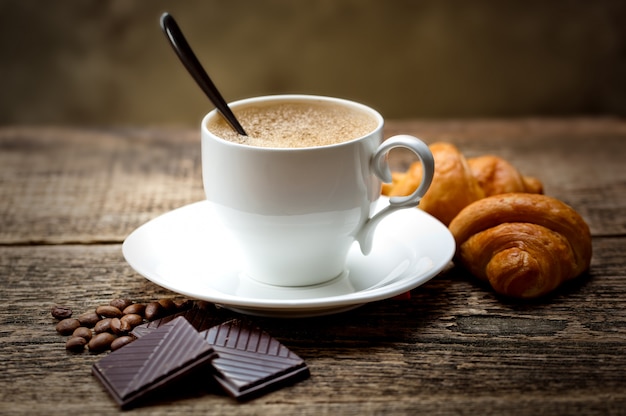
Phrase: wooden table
(70, 196)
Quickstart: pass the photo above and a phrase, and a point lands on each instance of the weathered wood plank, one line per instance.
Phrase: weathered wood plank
(65, 185)
(453, 347)
(86, 185)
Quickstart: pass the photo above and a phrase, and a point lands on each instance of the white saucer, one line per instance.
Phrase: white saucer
(189, 252)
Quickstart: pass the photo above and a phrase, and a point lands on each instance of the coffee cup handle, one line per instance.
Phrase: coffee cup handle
(380, 168)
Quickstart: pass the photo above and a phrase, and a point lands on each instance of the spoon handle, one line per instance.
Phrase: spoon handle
(188, 58)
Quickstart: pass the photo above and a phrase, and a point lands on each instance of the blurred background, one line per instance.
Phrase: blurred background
(97, 62)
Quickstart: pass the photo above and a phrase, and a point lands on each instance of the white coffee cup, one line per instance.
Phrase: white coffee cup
(295, 212)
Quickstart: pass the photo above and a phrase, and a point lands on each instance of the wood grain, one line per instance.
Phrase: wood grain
(453, 346)
(70, 196)
(89, 186)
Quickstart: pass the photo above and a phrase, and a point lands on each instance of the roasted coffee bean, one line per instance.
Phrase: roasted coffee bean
(89, 319)
(183, 305)
(108, 311)
(125, 327)
(120, 326)
(67, 326)
(168, 305)
(101, 342)
(61, 312)
(121, 341)
(154, 310)
(115, 326)
(104, 325)
(132, 319)
(112, 322)
(76, 344)
(135, 308)
(82, 332)
(121, 304)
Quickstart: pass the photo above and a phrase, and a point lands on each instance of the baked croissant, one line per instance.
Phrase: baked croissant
(453, 186)
(497, 176)
(525, 245)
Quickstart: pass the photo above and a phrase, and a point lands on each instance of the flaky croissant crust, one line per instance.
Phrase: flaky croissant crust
(524, 244)
(457, 181)
(453, 186)
(496, 175)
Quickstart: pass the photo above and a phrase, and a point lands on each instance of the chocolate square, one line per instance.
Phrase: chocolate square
(250, 362)
(152, 362)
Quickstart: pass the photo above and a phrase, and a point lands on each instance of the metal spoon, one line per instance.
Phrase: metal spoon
(188, 58)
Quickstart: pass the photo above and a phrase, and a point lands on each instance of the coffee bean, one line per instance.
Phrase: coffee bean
(121, 341)
(103, 325)
(61, 312)
(119, 326)
(125, 327)
(119, 317)
(183, 305)
(132, 319)
(89, 319)
(115, 326)
(101, 342)
(82, 332)
(121, 304)
(154, 310)
(108, 311)
(67, 326)
(76, 344)
(168, 305)
(135, 308)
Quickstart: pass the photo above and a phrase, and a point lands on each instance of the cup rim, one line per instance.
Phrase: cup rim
(294, 97)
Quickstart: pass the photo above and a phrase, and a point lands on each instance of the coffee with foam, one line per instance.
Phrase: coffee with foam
(295, 124)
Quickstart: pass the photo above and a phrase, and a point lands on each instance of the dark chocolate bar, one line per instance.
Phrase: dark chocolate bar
(250, 362)
(153, 361)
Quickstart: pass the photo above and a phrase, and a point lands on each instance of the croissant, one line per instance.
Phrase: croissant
(453, 186)
(497, 176)
(525, 245)
(458, 181)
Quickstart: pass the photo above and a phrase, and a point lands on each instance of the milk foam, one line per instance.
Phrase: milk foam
(295, 124)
